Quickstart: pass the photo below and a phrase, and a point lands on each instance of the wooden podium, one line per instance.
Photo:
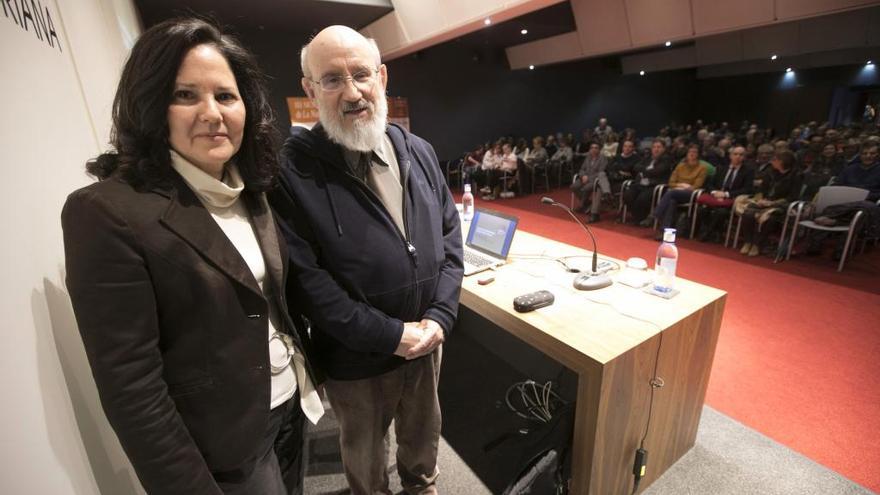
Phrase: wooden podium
(610, 339)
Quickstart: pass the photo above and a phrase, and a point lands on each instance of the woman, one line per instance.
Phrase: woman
(609, 147)
(763, 213)
(687, 176)
(175, 271)
(484, 173)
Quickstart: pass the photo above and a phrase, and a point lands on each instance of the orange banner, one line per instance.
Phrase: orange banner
(304, 113)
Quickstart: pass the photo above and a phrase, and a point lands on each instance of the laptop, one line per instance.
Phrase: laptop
(488, 240)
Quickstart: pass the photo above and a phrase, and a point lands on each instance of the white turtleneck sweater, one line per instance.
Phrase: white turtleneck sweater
(221, 199)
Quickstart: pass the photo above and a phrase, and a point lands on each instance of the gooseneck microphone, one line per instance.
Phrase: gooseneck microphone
(585, 281)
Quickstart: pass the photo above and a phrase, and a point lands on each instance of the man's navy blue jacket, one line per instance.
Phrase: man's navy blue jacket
(352, 272)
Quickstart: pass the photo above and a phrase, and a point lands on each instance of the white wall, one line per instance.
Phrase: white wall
(55, 115)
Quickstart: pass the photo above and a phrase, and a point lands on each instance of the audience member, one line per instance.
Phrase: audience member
(729, 182)
(472, 161)
(609, 147)
(592, 169)
(649, 173)
(491, 161)
(687, 176)
(831, 160)
(762, 214)
(813, 174)
(602, 130)
(550, 145)
(536, 158)
(864, 173)
(621, 168)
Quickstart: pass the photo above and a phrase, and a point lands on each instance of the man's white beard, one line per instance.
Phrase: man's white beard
(363, 135)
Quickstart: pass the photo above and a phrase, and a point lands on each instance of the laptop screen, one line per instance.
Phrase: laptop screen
(491, 232)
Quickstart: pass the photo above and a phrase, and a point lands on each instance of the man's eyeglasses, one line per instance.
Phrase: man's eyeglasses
(362, 79)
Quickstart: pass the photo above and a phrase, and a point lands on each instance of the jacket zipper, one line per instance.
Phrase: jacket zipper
(404, 236)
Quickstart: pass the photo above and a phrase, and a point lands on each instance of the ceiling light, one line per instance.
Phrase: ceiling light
(531, 67)
(773, 57)
(787, 69)
(641, 73)
(668, 43)
(487, 21)
(524, 31)
(869, 62)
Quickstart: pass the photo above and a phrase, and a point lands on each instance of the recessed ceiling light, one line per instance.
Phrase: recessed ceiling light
(641, 73)
(531, 67)
(788, 69)
(524, 31)
(487, 21)
(773, 57)
(668, 43)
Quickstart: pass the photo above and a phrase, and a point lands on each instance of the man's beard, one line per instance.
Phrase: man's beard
(361, 135)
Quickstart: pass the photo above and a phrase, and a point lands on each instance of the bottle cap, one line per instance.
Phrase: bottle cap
(668, 235)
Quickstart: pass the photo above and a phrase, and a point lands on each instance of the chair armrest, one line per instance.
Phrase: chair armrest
(798, 208)
(628, 182)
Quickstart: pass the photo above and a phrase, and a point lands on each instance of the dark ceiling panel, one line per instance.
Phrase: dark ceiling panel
(543, 23)
(299, 16)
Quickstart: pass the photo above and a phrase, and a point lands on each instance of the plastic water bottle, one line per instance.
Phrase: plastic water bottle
(467, 204)
(667, 259)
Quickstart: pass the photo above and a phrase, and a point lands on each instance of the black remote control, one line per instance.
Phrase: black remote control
(532, 301)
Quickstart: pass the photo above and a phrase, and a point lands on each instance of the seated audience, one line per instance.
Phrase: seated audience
(509, 162)
(491, 162)
(831, 160)
(602, 130)
(729, 182)
(583, 146)
(609, 148)
(762, 215)
(536, 158)
(652, 171)
(563, 154)
(621, 168)
(864, 173)
(593, 168)
(813, 174)
(551, 145)
(472, 161)
(687, 176)
(762, 163)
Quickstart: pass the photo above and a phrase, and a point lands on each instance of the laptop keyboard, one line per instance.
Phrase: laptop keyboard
(475, 259)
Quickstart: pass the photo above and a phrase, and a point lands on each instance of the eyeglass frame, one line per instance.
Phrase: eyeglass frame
(345, 79)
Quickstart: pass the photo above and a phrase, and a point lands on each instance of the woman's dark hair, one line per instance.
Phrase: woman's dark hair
(140, 109)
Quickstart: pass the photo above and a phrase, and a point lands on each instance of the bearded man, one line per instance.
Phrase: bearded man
(375, 259)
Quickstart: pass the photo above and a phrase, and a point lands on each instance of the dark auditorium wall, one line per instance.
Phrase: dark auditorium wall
(456, 102)
(278, 56)
(770, 100)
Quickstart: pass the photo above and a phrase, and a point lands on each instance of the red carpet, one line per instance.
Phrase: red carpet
(799, 351)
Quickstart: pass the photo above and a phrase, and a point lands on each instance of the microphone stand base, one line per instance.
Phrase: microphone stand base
(591, 281)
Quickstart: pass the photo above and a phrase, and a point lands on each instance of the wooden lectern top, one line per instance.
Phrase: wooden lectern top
(582, 329)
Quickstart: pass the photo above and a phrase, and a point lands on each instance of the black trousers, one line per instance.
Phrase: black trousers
(638, 200)
(277, 467)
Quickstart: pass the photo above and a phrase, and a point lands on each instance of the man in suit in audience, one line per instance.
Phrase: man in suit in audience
(731, 181)
(593, 168)
(651, 172)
